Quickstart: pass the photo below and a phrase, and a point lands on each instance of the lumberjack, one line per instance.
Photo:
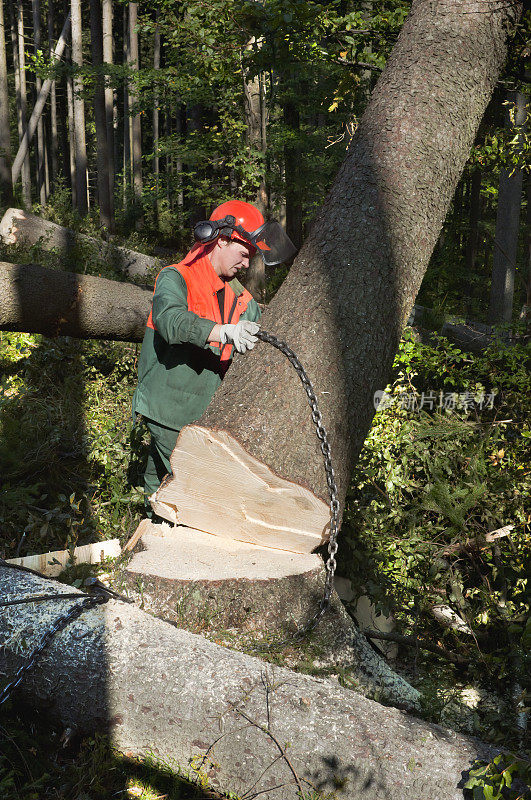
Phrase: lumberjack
(201, 313)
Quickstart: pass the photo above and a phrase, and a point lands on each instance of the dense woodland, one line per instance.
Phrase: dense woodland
(140, 119)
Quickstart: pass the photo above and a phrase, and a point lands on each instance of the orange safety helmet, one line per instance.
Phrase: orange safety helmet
(242, 221)
(245, 215)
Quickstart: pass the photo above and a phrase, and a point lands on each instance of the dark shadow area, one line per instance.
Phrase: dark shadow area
(40, 760)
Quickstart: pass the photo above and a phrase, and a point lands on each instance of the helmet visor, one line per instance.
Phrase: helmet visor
(273, 243)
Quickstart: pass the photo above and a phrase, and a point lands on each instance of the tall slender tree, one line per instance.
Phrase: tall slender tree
(126, 165)
(255, 119)
(156, 114)
(507, 225)
(136, 127)
(71, 134)
(39, 150)
(80, 155)
(6, 187)
(473, 235)
(102, 149)
(54, 168)
(17, 39)
(107, 20)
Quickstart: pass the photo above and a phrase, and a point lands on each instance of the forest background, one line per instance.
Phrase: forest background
(156, 114)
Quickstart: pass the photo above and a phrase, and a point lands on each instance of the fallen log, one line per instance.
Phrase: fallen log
(55, 303)
(253, 596)
(20, 227)
(242, 725)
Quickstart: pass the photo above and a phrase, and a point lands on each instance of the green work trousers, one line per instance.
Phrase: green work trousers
(158, 464)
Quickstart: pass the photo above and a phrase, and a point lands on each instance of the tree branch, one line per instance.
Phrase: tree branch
(412, 641)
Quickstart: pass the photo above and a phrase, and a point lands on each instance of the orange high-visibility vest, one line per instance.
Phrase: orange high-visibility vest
(203, 284)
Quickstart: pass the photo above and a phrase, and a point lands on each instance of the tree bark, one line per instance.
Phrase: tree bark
(80, 152)
(19, 227)
(55, 303)
(136, 128)
(156, 116)
(349, 294)
(292, 169)
(107, 17)
(71, 136)
(6, 186)
(39, 153)
(126, 164)
(38, 108)
(250, 728)
(254, 105)
(507, 227)
(473, 235)
(17, 39)
(103, 159)
(54, 140)
(526, 311)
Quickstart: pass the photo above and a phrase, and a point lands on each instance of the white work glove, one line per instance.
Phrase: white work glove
(241, 335)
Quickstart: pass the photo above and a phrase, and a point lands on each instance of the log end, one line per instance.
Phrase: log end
(218, 487)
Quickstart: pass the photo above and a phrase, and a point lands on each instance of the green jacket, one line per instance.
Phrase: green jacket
(178, 370)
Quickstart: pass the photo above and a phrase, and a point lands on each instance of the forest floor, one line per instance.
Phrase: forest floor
(446, 462)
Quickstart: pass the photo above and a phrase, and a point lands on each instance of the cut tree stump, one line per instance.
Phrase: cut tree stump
(248, 596)
(219, 488)
(20, 227)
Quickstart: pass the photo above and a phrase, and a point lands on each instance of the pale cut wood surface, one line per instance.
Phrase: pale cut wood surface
(51, 564)
(219, 488)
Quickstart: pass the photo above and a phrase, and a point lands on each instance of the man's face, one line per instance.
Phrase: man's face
(230, 256)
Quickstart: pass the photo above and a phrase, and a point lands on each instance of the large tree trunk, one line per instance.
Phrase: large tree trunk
(507, 227)
(18, 227)
(55, 303)
(349, 294)
(6, 187)
(249, 727)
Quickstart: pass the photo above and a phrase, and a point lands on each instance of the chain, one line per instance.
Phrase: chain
(317, 418)
(60, 623)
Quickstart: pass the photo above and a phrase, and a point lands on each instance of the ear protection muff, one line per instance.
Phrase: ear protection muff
(208, 230)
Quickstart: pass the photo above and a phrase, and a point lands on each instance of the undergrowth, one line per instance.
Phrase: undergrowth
(445, 464)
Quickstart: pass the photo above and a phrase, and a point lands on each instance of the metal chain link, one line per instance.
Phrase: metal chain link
(60, 623)
(330, 564)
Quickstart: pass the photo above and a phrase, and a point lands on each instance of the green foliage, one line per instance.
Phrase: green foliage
(430, 485)
(65, 438)
(494, 780)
